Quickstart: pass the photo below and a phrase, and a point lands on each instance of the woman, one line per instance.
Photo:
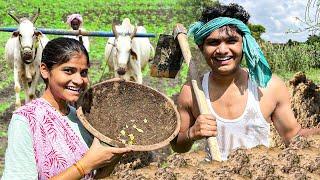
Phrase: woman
(45, 137)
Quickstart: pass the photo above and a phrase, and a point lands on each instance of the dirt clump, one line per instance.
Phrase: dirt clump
(305, 103)
(305, 100)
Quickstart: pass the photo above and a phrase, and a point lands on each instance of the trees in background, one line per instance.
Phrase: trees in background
(257, 30)
(312, 39)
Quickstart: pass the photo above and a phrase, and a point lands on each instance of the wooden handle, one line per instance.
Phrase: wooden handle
(204, 109)
(197, 89)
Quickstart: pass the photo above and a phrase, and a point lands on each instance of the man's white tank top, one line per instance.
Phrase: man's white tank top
(248, 130)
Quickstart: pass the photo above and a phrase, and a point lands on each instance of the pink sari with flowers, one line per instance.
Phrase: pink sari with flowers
(55, 144)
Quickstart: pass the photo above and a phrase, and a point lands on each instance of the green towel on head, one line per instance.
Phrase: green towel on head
(259, 69)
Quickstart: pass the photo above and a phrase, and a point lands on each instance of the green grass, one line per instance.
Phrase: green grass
(3, 134)
(11, 100)
(312, 74)
(4, 106)
(9, 80)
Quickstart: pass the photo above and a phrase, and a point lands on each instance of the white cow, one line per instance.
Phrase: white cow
(23, 52)
(128, 55)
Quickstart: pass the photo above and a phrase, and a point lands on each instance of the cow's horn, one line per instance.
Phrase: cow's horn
(35, 17)
(14, 17)
(114, 30)
(134, 32)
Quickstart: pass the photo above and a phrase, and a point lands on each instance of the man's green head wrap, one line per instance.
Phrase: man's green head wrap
(259, 69)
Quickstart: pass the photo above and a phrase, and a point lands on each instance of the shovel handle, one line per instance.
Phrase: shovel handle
(181, 35)
(203, 108)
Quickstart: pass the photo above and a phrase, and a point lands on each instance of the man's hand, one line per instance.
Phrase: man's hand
(204, 126)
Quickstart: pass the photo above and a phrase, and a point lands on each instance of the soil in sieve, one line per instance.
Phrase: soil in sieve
(131, 113)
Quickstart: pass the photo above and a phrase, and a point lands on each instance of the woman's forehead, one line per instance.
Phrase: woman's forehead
(77, 59)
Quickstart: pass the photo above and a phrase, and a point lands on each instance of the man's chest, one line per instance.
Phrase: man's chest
(232, 106)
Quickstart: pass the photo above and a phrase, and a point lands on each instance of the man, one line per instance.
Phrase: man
(75, 21)
(243, 102)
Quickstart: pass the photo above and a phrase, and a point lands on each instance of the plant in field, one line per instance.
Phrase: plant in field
(197, 6)
(296, 57)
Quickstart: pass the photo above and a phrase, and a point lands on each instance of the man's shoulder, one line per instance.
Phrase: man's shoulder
(185, 95)
(276, 88)
(274, 83)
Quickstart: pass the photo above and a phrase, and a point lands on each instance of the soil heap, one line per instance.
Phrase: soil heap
(305, 103)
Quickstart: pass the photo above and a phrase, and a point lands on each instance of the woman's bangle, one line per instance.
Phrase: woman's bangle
(79, 168)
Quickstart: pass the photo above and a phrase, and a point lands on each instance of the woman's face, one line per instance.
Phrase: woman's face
(66, 81)
(222, 50)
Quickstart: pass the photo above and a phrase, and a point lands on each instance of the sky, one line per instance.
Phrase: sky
(277, 16)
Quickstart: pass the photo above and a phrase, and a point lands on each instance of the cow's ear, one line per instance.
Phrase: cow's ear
(15, 34)
(133, 54)
(37, 33)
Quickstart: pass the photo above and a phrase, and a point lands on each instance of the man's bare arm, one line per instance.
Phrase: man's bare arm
(182, 143)
(282, 116)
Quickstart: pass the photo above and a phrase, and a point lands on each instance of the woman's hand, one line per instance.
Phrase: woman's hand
(100, 155)
(205, 126)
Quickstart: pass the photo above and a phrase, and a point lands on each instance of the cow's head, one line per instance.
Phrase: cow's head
(123, 46)
(28, 37)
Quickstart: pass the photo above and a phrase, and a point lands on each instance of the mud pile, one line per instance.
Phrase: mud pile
(305, 103)
(301, 160)
(305, 100)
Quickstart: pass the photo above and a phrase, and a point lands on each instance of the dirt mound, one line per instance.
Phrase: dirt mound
(305, 100)
(299, 161)
(305, 103)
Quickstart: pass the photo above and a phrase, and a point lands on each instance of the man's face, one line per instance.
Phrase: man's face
(75, 24)
(222, 50)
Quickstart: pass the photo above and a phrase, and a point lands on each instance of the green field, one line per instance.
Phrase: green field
(158, 16)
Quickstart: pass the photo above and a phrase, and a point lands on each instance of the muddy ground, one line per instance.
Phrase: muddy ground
(299, 161)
